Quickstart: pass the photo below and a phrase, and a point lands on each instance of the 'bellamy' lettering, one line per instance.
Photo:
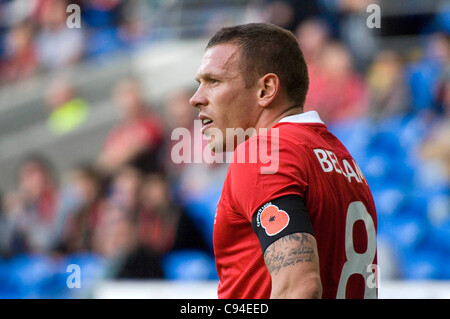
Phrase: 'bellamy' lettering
(329, 163)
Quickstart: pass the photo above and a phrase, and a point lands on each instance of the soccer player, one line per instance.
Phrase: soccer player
(306, 229)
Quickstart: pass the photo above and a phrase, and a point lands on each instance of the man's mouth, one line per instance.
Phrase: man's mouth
(206, 123)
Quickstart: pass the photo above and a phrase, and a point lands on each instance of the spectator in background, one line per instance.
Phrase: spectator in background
(80, 209)
(195, 185)
(134, 28)
(436, 146)
(358, 38)
(336, 77)
(137, 139)
(6, 229)
(125, 189)
(386, 84)
(21, 60)
(67, 110)
(423, 76)
(114, 236)
(280, 13)
(312, 35)
(288, 14)
(57, 45)
(33, 206)
(177, 114)
(117, 240)
(163, 225)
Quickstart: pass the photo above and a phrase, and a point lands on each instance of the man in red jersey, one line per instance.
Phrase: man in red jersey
(306, 229)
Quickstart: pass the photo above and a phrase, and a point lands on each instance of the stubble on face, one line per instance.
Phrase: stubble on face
(229, 101)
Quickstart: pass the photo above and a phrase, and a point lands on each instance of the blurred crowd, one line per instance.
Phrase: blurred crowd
(125, 205)
(134, 206)
(35, 37)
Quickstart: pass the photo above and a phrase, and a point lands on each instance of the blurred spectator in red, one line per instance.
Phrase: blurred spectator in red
(67, 110)
(21, 59)
(163, 225)
(80, 209)
(386, 84)
(337, 78)
(137, 139)
(33, 206)
(57, 45)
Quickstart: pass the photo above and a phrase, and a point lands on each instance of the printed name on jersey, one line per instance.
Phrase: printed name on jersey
(272, 219)
(329, 163)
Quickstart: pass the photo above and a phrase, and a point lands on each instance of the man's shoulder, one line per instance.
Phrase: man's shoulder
(270, 153)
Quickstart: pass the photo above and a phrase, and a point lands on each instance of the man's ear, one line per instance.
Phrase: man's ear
(268, 87)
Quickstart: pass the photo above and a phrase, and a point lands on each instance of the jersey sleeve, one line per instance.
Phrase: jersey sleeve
(271, 168)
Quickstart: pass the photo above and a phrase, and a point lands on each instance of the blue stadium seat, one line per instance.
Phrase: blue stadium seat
(355, 135)
(28, 275)
(189, 265)
(406, 233)
(387, 201)
(419, 265)
(442, 19)
(422, 77)
(442, 234)
(386, 143)
(101, 42)
(4, 274)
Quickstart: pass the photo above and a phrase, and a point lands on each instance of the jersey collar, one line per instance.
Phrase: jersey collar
(307, 117)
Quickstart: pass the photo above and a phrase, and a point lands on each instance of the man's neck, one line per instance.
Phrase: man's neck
(270, 122)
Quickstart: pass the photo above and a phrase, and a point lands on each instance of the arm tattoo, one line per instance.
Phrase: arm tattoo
(288, 250)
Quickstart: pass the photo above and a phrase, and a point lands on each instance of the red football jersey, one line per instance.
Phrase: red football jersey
(300, 157)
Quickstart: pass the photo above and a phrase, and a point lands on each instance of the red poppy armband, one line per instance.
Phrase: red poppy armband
(280, 217)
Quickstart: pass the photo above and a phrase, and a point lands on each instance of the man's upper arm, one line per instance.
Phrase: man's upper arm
(293, 264)
(286, 235)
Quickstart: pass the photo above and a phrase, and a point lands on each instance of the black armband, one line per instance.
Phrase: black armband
(280, 217)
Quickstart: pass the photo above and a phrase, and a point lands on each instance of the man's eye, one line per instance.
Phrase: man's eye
(213, 81)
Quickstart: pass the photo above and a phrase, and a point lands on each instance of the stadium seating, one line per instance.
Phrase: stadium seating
(189, 265)
(411, 200)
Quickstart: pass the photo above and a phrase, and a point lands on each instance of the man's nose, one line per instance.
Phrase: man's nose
(198, 99)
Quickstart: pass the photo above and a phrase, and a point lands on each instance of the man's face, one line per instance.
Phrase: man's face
(222, 98)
